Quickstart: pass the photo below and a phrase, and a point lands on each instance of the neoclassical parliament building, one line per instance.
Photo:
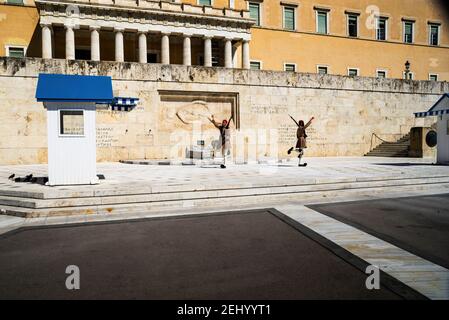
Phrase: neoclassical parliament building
(344, 37)
(360, 67)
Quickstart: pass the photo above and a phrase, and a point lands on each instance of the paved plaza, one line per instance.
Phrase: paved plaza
(162, 192)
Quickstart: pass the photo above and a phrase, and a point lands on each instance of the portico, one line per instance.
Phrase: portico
(142, 32)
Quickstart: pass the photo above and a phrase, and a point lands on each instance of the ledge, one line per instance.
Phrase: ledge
(133, 71)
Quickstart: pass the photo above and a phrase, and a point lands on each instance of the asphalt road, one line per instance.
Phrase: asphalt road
(419, 225)
(251, 255)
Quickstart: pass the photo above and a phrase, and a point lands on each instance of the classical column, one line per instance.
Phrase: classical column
(142, 47)
(228, 53)
(119, 53)
(46, 42)
(165, 48)
(69, 43)
(245, 54)
(187, 51)
(95, 43)
(207, 51)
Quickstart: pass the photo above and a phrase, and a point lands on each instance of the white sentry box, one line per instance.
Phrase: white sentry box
(71, 143)
(441, 110)
(443, 139)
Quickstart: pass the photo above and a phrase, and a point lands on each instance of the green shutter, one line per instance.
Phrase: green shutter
(16, 52)
(254, 65)
(289, 18)
(408, 32)
(322, 22)
(205, 2)
(255, 12)
(290, 67)
(434, 35)
(15, 1)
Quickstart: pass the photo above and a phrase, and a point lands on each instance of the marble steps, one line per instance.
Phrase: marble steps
(150, 202)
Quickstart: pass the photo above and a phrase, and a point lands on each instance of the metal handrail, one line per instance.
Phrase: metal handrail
(375, 135)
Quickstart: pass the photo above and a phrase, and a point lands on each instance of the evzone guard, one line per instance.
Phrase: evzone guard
(301, 136)
(225, 138)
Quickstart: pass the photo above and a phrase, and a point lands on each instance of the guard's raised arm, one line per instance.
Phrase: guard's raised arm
(294, 121)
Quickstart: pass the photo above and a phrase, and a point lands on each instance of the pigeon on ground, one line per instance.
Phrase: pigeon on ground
(11, 176)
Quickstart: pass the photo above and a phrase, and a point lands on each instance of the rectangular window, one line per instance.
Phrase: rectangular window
(381, 31)
(434, 34)
(289, 18)
(14, 1)
(291, 67)
(15, 52)
(410, 76)
(205, 2)
(255, 65)
(71, 122)
(254, 12)
(352, 72)
(322, 70)
(433, 77)
(381, 74)
(408, 31)
(321, 25)
(353, 25)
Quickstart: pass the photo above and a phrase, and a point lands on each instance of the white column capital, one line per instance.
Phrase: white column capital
(165, 33)
(207, 37)
(119, 29)
(91, 28)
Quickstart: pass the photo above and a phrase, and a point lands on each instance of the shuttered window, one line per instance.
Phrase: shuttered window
(16, 52)
(321, 22)
(381, 32)
(205, 2)
(352, 25)
(289, 18)
(254, 11)
(291, 67)
(408, 31)
(434, 34)
(254, 65)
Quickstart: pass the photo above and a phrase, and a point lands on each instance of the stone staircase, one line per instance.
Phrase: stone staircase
(392, 149)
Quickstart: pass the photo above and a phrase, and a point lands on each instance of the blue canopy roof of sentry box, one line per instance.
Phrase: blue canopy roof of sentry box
(74, 88)
(439, 108)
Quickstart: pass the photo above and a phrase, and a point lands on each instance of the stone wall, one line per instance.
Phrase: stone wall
(176, 100)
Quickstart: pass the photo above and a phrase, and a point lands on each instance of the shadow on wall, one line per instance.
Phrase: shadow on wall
(35, 47)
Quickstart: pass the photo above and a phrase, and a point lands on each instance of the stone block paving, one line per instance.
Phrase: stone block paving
(319, 170)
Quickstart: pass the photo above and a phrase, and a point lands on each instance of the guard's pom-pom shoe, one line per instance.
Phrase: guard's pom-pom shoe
(290, 150)
(222, 166)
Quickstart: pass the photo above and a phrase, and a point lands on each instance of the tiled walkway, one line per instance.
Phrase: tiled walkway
(319, 170)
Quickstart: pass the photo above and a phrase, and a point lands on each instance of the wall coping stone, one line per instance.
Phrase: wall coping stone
(133, 71)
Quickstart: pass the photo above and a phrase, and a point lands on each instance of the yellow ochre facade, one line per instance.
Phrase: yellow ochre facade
(297, 35)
